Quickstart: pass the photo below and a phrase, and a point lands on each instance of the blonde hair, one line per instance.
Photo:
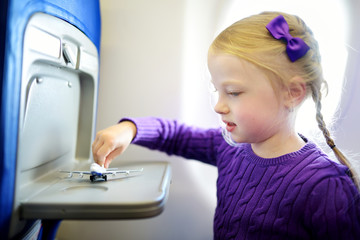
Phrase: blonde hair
(250, 40)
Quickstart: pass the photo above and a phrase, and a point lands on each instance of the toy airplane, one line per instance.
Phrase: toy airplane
(99, 172)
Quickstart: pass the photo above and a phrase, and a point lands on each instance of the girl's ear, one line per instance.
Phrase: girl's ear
(295, 92)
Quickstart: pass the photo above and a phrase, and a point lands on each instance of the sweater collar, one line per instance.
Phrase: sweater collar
(290, 157)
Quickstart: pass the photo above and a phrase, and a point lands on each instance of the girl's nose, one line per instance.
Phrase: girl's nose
(221, 107)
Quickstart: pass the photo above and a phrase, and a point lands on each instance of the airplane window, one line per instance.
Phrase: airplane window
(333, 48)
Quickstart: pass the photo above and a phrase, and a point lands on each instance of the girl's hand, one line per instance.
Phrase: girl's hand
(113, 141)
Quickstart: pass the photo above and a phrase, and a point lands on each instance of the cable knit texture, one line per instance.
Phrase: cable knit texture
(301, 195)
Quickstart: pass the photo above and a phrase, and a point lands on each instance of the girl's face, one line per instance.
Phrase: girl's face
(252, 111)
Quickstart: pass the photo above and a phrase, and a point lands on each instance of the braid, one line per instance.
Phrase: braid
(316, 95)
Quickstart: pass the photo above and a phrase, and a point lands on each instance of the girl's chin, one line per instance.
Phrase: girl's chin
(231, 138)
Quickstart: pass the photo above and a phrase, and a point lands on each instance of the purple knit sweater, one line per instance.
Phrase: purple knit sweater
(301, 195)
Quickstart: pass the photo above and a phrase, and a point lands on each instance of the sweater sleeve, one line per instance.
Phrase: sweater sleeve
(173, 138)
(333, 209)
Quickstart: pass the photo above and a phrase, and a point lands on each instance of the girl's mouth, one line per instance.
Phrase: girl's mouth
(230, 126)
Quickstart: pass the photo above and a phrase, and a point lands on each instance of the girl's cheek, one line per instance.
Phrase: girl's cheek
(244, 115)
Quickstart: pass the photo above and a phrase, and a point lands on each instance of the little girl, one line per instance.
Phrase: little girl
(273, 183)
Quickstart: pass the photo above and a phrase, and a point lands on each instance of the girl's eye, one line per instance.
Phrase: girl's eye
(234, 94)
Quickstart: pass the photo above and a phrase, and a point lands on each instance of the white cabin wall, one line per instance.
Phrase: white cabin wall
(147, 49)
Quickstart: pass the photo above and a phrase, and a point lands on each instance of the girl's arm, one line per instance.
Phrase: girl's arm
(158, 134)
(173, 138)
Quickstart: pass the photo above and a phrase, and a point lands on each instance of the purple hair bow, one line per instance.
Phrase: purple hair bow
(279, 29)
